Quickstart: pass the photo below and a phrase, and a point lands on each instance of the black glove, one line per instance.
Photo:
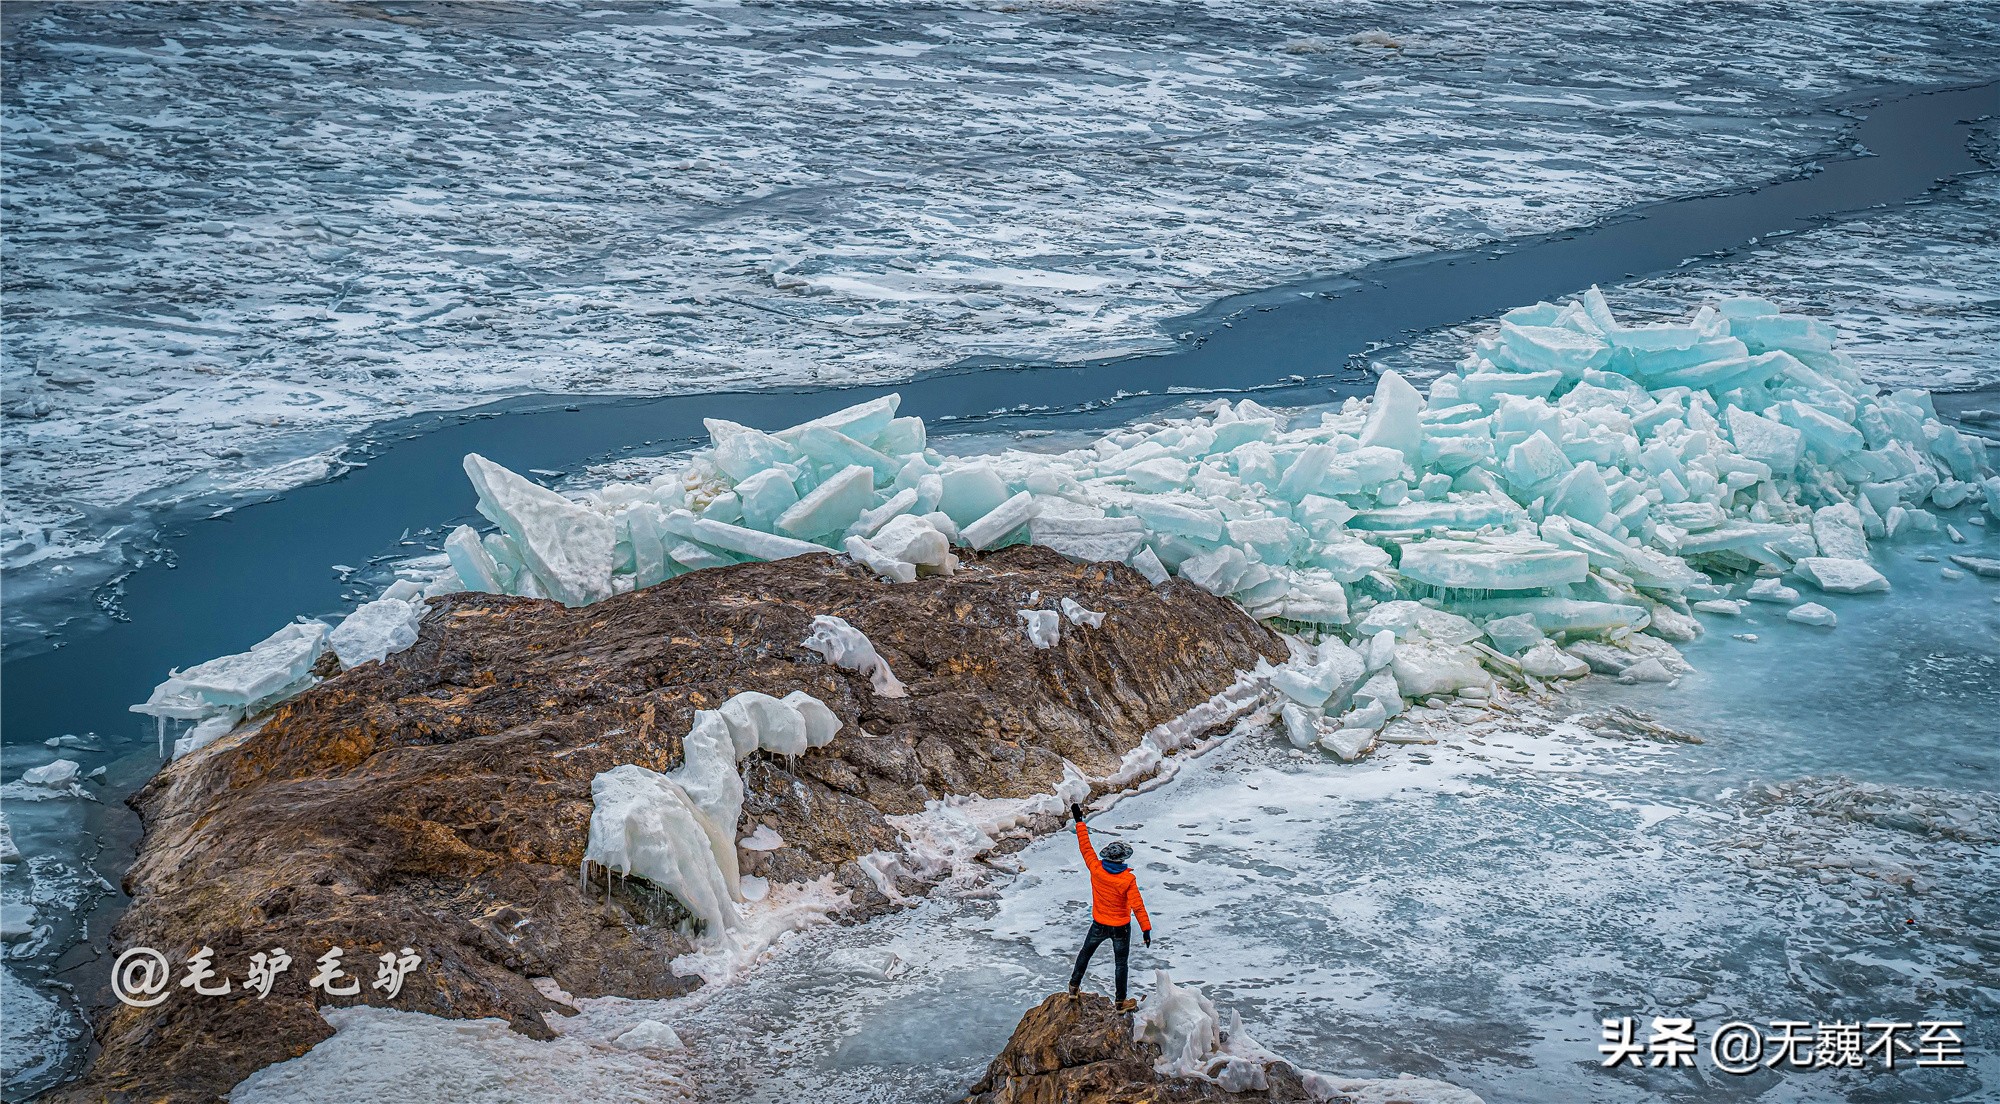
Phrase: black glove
(1147, 935)
(1076, 811)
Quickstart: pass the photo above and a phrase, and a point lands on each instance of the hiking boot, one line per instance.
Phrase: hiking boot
(1128, 1005)
(1072, 990)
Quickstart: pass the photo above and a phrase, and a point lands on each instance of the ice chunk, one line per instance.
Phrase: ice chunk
(1549, 348)
(1089, 538)
(1838, 531)
(1355, 735)
(759, 720)
(474, 565)
(375, 630)
(741, 452)
(205, 733)
(1812, 613)
(1395, 420)
(914, 540)
(1423, 669)
(1516, 566)
(1646, 670)
(1349, 561)
(1301, 725)
(1043, 627)
(1766, 441)
(567, 546)
(1533, 462)
(1181, 1022)
(865, 422)
(648, 1035)
(833, 505)
(1513, 635)
(1146, 562)
(1840, 576)
(833, 449)
(765, 496)
(821, 725)
(971, 492)
(1546, 661)
(888, 567)
(752, 543)
(870, 521)
(993, 528)
(1983, 566)
(1772, 589)
(1567, 615)
(643, 824)
(843, 645)
(1217, 572)
(1077, 615)
(1322, 677)
(59, 775)
(274, 668)
(1723, 607)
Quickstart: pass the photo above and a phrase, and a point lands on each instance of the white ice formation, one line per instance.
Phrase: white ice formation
(1577, 483)
(843, 645)
(1186, 1027)
(678, 830)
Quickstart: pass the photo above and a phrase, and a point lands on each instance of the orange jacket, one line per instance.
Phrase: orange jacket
(1114, 898)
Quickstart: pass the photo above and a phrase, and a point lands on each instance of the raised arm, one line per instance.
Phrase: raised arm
(1090, 858)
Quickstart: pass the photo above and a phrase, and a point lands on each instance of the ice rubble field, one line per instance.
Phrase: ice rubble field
(1912, 291)
(1564, 501)
(616, 200)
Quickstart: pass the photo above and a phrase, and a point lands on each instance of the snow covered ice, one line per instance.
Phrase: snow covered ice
(301, 275)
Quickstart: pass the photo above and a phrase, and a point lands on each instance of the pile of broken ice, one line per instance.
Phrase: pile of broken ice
(1561, 503)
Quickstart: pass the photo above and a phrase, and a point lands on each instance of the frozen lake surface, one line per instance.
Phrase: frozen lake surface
(239, 233)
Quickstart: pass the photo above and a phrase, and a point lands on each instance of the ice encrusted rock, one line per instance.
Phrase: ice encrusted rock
(677, 830)
(843, 645)
(1181, 1022)
(648, 1035)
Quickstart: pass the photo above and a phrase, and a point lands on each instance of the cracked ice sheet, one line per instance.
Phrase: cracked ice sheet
(207, 275)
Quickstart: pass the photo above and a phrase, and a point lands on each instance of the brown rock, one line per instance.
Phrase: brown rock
(440, 800)
(1078, 1049)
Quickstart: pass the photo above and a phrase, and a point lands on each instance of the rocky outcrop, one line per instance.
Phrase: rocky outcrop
(1080, 1050)
(440, 800)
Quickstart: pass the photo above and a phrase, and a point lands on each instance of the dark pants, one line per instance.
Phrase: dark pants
(1121, 944)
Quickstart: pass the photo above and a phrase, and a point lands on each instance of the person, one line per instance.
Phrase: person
(1114, 900)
